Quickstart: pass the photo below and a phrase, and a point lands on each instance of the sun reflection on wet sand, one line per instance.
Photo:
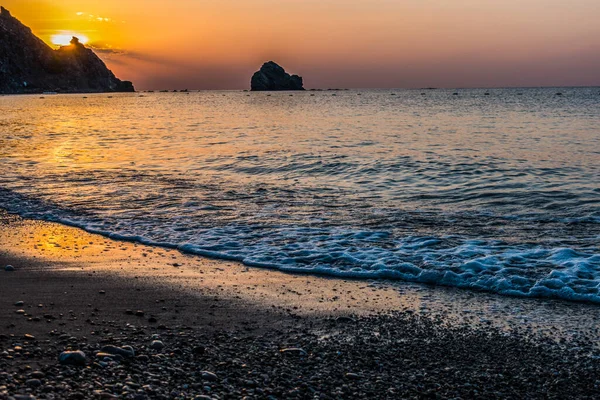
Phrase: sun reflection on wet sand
(76, 250)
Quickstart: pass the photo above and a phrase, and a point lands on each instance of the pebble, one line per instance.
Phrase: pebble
(124, 352)
(37, 374)
(110, 356)
(72, 358)
(157, 345)
(19, 304)
(9, 268)
(105, 395)
(33, 382)
(353, 376)
(209, 376)
(294, 351)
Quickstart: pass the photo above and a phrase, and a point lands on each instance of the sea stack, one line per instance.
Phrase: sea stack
(28, 65)
(273, 77)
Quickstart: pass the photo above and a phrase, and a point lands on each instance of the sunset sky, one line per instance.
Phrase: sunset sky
(218, 44)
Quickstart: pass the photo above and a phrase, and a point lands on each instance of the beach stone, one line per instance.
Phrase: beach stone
(19, 304)
(9, 268)
(29, 337)
(353, 376)
(33, 382)
(104, 356)
(124, 352)
(157, 345)
(72, 358)
(105, 395)
(37, 374)
(209, 376)
(295, 351)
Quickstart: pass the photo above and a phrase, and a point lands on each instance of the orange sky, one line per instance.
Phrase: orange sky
(218, 44)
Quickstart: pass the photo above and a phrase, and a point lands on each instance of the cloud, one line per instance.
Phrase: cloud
(112, 53)
(95, 18)
(107, 50)
(124, 56)
(149, 71)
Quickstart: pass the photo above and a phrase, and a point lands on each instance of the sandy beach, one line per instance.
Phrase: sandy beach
(203, 329)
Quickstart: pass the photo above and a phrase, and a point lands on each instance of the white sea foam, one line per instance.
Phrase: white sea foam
(509, 269)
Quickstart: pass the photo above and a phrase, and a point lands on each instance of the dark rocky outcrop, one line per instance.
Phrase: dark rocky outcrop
(273, 77)
(28, 65)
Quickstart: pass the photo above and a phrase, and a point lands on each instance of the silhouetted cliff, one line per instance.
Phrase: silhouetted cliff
(28, 65)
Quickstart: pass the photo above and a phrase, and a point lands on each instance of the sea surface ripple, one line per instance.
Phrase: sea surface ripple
(494, 190)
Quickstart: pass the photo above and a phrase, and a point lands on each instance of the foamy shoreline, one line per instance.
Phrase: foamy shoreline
(85, 290)
(65, 249)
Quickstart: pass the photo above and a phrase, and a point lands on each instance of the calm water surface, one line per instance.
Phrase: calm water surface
(497, 192)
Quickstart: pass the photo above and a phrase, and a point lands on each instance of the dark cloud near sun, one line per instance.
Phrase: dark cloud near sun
(123, 55)
(156, 72)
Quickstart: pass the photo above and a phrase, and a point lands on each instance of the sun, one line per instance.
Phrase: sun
(64, 38)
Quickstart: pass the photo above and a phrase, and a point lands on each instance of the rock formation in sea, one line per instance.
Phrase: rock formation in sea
(28, 65)
(273, 77)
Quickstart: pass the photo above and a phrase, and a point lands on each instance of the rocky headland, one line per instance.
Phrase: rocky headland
(28, 65)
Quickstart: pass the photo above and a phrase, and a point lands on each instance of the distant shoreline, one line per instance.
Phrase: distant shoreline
(312, 90)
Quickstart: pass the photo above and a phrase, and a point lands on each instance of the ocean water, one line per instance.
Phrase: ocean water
(497, 192)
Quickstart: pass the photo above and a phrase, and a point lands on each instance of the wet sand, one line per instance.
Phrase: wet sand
(375, 339)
